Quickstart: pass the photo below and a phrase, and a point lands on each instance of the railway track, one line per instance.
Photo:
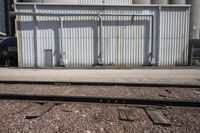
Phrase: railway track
(101, 100)
(103, 84)
(152, 108)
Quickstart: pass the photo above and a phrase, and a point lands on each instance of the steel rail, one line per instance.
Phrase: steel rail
(159, 85)
(101, 100)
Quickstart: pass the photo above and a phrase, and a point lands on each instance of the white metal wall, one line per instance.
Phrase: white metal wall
(174, 36)
(80, 35)
(126, 42)
(25, 39)
(47, 39)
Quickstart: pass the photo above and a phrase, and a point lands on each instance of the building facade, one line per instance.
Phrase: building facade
(66, 35)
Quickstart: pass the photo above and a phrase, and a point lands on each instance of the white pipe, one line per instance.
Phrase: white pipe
(61, 40)
(76, 14)
(100, 56)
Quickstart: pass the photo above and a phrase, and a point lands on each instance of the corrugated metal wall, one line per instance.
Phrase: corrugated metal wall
(80, 36)
(127, 41)
(174, 36)
(25, 39)
(2, 17)
(47, 39)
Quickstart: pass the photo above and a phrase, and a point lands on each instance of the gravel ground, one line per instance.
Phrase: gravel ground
(85, 118)
(103, 91)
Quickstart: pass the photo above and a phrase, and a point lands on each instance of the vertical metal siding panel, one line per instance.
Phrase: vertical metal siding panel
(119, 48)
(181, 37)
(177, 35)
(160, 63)
(39, 44)
(32, 58)
(166, 41)
(26, 45)
(48, 30)
(142, 38)
(23, 40)
(186, 35)
(19, 40)
(163, 37)
(137, 43)
(176, 39)
(166, 61)
(173, 49)
(181, 42)
(80, 41)
(172, 37)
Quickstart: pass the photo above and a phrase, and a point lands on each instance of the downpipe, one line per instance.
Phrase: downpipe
(62, 63)
(100, 56)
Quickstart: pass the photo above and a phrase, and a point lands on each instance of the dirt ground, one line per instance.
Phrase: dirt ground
(85, 118)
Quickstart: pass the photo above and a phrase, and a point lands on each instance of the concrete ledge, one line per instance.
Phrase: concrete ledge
(128, 77)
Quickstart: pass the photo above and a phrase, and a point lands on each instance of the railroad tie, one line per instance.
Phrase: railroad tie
(42, 109)
(125, 114)
(157, 117)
